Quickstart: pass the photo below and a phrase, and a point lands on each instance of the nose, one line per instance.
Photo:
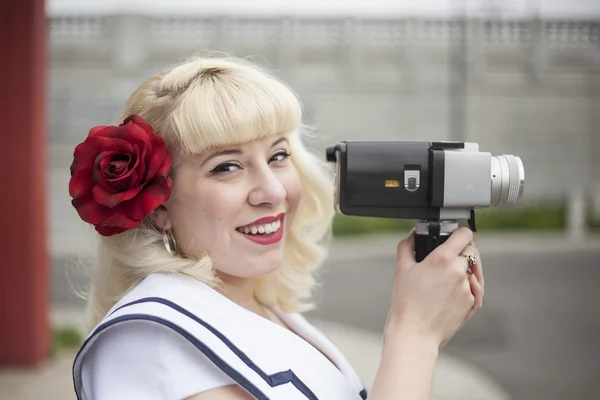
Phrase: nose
(267, 189)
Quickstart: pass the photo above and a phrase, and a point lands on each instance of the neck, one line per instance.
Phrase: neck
(241, 291)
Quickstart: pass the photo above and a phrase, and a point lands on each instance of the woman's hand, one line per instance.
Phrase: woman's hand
(477, 282)
(433, 299)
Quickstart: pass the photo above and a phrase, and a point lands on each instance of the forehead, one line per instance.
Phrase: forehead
(262, 143)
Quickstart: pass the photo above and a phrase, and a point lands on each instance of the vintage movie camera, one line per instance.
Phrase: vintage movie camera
(437, 184)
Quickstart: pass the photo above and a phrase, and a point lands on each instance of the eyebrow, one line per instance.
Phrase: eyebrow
(238, 150)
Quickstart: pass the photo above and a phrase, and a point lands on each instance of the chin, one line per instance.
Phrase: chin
(261, 269)
(253, 268)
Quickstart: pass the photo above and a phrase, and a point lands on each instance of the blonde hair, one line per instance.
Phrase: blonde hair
(210, 102)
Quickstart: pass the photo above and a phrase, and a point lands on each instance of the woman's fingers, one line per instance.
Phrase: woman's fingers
(478, 303)
(477, 291)
(460, 238)
(406, 247)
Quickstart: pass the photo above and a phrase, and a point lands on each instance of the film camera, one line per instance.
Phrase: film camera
(437, 184)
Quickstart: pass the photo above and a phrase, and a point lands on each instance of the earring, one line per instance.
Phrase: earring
(169, 242)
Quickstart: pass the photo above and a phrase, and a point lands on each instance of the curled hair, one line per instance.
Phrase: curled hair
(201, 104)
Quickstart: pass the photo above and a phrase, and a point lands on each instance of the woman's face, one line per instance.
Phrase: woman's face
(236, 203)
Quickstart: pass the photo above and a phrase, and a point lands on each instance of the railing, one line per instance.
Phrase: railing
(85, 30)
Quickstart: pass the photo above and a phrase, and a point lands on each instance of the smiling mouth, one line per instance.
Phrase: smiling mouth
(262, 229)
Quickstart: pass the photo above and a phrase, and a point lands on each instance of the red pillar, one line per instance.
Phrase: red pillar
(24, 292)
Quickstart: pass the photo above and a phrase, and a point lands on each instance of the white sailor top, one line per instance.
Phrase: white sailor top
(173, 336)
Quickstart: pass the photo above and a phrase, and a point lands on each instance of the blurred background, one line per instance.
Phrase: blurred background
(518, 77)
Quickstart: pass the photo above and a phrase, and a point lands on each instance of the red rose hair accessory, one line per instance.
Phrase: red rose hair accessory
(119, 175)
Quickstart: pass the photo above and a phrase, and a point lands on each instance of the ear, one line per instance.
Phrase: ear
(160, 218)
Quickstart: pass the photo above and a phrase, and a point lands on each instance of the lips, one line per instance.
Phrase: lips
(256, 232)
(264, 220)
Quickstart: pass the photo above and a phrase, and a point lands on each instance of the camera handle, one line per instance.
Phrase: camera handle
(432, 233)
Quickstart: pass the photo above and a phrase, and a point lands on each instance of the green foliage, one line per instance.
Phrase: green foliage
(594, 224)
(64, 338)
(344, 225)
(544, 217)
(531, 217)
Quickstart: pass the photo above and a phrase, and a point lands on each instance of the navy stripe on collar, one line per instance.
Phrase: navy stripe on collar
(235, 375)
(276, 379)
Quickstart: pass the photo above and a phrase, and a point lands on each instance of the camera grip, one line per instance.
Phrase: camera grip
(425, 244)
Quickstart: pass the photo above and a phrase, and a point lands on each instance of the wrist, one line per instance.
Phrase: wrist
(406, 336)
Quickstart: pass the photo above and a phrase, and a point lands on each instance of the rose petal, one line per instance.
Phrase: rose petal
(113, 199)
(124, 182)
(139, 121)
(158, 154)
(89, 210)
(110, 132)
(111, 158)
(118, 145)
(134, 180)
(119, 219)
(98, 130)
(99, 180)
(109, 230)
(86, 152)
(149, 199)
(165, 167)
(138, 133)
(142, 148)
(143, 165)
(81, 182)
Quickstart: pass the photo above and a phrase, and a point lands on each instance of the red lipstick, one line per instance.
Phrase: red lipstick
(264, 238)
(265, 220)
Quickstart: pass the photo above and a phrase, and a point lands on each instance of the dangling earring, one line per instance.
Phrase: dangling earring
(169, 242)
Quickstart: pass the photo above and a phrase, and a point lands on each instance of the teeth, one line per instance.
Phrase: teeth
(262, 229)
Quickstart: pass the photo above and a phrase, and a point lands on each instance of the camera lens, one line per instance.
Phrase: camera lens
(508, 180)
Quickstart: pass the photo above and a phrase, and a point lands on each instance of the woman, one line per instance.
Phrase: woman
(212, 217)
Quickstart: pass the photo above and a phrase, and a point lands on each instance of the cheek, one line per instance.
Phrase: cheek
(218, 205)
(200, 210)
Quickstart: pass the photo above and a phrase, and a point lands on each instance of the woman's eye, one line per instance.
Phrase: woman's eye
(280, 156)
(225, 167)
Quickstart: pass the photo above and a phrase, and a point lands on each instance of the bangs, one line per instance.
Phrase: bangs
(224, 107)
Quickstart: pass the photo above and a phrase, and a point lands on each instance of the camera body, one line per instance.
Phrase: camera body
(434, 183)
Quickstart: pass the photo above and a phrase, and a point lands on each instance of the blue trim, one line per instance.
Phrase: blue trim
(274, 380)
(245, 383)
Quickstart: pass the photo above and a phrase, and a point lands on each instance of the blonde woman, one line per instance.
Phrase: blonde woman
(212, 217)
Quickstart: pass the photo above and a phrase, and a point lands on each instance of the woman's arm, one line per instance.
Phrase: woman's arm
(431, 301)
(406, 368)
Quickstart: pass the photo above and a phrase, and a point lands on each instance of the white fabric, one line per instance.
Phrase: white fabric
(142, 359)
(137, 359)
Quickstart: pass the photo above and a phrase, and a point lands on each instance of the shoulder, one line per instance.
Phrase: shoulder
(143, 359)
